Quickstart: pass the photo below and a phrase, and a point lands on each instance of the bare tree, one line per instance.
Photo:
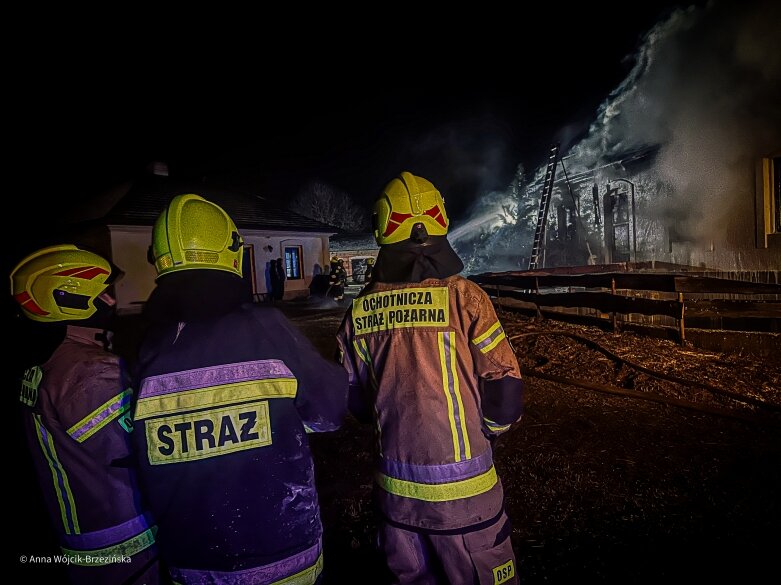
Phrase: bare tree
(327, 204)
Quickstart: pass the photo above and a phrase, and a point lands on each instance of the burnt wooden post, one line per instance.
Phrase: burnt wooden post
(681, 325)
(613, 314)
(537, 293)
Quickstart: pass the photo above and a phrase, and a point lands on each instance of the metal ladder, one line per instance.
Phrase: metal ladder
(547, 191)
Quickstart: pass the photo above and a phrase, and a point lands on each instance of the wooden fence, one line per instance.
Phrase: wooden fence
(679, 296)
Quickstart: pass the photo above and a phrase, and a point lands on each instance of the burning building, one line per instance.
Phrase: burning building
(681, 164)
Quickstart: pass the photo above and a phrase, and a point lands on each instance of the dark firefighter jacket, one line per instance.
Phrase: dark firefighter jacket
(430, 363)
(224, 406)
(338, 275)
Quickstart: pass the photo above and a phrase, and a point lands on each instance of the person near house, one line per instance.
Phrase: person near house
(337, 278)
(342, 275)
(430, 365)
(367, 275)
(273, 280)
(279, 292)
(75, 397)
(228, 392)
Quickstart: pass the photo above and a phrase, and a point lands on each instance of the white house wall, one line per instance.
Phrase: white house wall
(270, 246)
(129, 246)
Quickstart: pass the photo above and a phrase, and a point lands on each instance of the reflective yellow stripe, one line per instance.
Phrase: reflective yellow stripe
(112, 554)
(306, 577)
(442, 492)
(216, 396)
(359, 351)
(362, 351)
(495, 427)
(59, 478)
(494, 343)
(464, 434)
(379, 429)
(362, 348)
(487, 334)
(368, 359)
(446, 388)
(89, 419)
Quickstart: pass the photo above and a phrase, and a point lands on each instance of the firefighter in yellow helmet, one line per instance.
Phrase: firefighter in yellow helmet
(194, 233)
(76, 400)
(228, 391)
(337, 278)
(367, 275)
(430, 366)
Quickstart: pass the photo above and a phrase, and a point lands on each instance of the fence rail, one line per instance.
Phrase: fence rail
(626, 293)
(672, 283)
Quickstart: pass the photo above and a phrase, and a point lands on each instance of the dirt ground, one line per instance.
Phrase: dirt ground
(600, 488)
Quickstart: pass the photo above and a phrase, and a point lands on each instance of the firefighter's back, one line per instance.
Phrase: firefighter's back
(224, 454)
(415, 340)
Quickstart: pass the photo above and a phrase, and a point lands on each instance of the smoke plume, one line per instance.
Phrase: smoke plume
(705, 93)
(706, 88)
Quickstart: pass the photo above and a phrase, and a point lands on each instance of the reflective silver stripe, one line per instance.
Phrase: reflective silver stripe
(490, 339)
(444, 473)
(101, 416)
(214, 376)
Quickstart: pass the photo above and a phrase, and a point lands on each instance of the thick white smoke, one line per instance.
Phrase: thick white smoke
(706, 90)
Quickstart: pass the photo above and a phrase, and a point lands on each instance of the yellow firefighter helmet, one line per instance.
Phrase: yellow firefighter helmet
(193, 233)
(60, 283)
(408, 202)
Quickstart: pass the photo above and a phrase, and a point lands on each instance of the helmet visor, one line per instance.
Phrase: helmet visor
(68, 300)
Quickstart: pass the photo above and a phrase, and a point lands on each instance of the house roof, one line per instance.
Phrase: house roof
(148, 197)
(351, 241)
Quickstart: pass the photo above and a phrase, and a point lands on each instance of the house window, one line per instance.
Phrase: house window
(621, 209)
(621, 232)
(293, 262)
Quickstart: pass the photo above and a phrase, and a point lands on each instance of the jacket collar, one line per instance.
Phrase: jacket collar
(89, 335)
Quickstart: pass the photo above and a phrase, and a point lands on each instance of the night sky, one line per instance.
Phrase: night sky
(460, 105)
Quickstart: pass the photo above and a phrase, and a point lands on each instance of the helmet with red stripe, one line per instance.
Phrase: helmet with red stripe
(408, 205)
(60, 283)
